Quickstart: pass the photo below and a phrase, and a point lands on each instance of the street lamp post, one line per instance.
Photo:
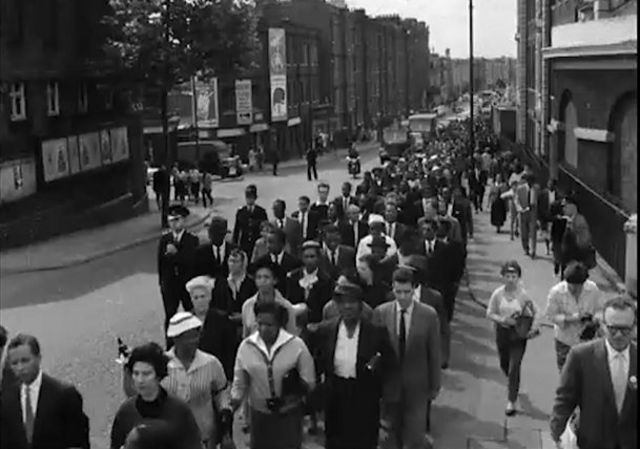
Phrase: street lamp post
(472, 140)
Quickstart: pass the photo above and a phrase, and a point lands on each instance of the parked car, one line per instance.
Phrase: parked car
(215, 157)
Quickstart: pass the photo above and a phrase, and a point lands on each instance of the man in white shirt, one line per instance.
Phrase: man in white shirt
(601, 377)
(39, 409)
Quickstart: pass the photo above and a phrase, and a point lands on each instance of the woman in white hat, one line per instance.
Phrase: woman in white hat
(198, 378)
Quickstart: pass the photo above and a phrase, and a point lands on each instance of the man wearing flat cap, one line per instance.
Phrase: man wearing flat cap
(176, 255)
(248, 219)
(354, 357)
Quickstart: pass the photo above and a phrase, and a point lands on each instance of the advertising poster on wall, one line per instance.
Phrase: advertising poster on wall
(55, 160)
(74, 154)
(278, 74)
(119, 144)
(105, 147)
(89, 151)
(206, 109)
(244, 102)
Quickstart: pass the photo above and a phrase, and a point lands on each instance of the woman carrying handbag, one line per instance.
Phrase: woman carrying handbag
(516, 320)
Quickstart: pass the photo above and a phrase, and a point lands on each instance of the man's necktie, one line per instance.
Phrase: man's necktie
(619, 380)
(29, 415)
(346, 203)
(402, 338)
(281, 224)
(333, 258)
(303, 217)
(216, 250)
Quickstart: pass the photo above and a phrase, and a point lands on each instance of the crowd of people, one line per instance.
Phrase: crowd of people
(342, 309)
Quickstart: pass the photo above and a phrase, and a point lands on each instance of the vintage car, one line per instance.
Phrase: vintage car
(395, 141)
(215, 157)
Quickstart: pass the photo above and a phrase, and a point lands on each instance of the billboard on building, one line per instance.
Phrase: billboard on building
(55, 159)
(119, 144)
(244, 102)
(278, 74)
(89, 151)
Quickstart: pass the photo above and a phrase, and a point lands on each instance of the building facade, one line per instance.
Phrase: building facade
(69, 141)
(577, 107)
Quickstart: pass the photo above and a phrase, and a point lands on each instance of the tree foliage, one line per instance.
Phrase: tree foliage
(165, 42)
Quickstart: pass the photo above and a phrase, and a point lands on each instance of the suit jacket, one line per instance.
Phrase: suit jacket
(321, 210)
(339, 202)
(345, 260)
(373, 339)
(398, 230)
(319, 295)
(206, 263)
(247, 227)
(177, 269)
(293, 231)
(433, 298)
(418, 374)
(313, 222)
(347, 234)
(416, 212)
(526, 197)
(445, 265)
(544, 206)
(289, 263)
(60, 422)
(586, 382)
(461, 211)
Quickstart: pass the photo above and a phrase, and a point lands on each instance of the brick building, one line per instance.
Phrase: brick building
(577, 107)
(70, 150)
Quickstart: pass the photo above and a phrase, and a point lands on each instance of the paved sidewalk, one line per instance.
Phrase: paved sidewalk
(529, 429)
(84, 246)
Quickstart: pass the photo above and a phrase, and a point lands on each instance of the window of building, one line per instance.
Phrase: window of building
(53, 98)
(314, 55)
(83, 98)
(18, 101)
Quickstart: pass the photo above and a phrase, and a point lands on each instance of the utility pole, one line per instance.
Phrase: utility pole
(472, 139)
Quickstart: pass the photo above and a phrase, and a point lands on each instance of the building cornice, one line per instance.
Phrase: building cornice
(618, 49)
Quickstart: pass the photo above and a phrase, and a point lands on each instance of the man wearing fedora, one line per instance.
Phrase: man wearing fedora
(176, 259)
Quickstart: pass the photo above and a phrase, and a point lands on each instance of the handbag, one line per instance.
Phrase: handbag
(292, 384)
(524, 322)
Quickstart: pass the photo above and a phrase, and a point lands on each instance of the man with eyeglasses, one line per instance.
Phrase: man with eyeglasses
(601, 377)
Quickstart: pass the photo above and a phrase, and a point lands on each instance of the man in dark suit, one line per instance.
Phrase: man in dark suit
(212, 257)
(546, 199)
(38, 411)
(309, 284)
(312, 159)
(162, 187)
(352, 230)
(345, 200)
(321, 207)
(308, 219)
(248, 219)
(176, 256)
(291, 227)
(336, 258)
(6, 374)
(393, 229)
(354, 380)
(459, 207)
(600, 377)
(283, 261)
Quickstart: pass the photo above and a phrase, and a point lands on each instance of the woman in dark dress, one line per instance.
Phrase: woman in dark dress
(354, 356)
(498, 204)
(222, 330)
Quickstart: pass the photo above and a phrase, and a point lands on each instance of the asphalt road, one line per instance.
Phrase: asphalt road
(78, 312)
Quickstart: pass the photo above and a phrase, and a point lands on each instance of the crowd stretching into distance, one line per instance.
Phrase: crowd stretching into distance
(335, 319)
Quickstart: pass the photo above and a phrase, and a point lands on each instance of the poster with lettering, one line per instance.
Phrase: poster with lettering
(89, 151)
(119, 144)
(55, 159)
(244, 103)
(105, 147)
(74, 154)
(278, 74)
